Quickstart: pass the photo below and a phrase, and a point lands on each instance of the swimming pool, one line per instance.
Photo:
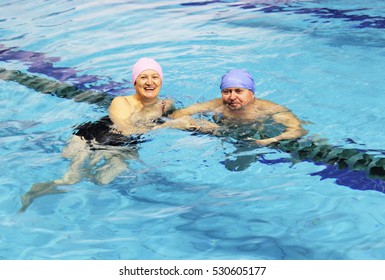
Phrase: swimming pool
(322, 59)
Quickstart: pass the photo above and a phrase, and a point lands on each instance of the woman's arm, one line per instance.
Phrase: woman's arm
(182, 118)
(120, 114)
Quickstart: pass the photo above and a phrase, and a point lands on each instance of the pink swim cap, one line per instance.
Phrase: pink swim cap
(145, 64)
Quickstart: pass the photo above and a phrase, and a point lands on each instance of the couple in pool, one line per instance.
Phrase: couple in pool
(100, 150)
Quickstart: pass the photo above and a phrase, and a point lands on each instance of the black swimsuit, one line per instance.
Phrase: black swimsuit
(101, 132)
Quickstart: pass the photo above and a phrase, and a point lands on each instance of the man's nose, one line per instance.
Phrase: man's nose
(232, 95)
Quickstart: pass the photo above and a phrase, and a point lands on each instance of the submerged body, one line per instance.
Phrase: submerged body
(99, 151)
(239, 106)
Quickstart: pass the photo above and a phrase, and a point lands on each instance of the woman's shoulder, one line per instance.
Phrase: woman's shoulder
(123, 101)
(121, 106)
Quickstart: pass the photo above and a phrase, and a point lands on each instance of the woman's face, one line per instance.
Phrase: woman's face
(148, 84)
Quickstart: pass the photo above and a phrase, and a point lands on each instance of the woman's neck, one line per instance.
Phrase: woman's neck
(146, 102)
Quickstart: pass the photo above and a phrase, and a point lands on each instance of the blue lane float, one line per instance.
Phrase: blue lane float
(40, 63)
(55, 88)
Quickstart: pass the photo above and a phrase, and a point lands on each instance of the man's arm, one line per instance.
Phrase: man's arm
(182, 118)
(281, 115)
(204, 107)
(191, 124)
(293, 128)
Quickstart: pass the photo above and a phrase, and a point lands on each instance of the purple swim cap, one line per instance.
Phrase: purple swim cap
(145, 64)
(238, 79)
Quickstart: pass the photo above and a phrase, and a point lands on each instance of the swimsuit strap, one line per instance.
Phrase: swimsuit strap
(163, 107)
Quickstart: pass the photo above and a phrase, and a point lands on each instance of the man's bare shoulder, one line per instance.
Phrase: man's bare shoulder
(270, 106)
(217, 102)
(213, 105)
(201, 107)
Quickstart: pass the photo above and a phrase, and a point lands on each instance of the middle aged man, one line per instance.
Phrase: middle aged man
(242, 114)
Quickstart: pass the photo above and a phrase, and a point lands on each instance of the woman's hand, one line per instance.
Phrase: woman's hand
(189, 123)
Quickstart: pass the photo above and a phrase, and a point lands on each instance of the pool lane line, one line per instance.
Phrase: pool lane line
(356, 168)
(40, 63)
(62, 90)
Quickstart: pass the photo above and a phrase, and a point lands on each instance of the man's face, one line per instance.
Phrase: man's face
(237, 98)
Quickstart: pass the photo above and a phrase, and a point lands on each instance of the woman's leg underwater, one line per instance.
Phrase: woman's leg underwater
(78, 152)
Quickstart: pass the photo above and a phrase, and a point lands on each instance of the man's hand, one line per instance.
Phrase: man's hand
(266, 142)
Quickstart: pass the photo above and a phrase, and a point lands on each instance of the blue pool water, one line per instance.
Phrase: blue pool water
(322, 59)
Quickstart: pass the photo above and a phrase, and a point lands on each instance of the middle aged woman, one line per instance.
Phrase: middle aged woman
(99, 150)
